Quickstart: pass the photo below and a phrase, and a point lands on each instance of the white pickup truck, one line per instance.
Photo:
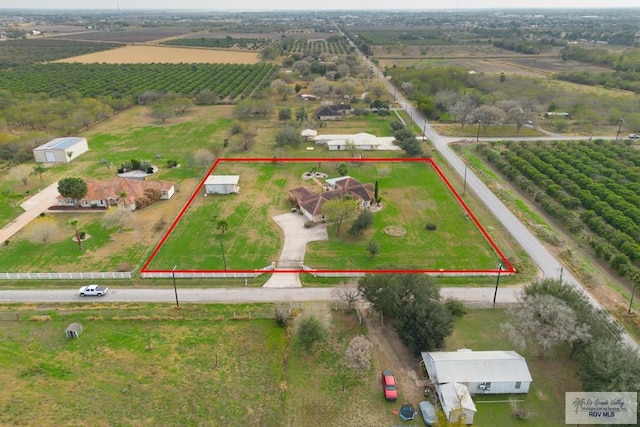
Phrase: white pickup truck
(93, 290)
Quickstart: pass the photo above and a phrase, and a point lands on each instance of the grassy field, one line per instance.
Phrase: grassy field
(150, 364)
(412, 194)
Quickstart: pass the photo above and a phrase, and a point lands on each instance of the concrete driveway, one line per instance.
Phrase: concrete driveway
(296, 237)
(32, 207)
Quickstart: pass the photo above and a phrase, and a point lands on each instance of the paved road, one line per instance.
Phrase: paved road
(544, 260)
(483, 296)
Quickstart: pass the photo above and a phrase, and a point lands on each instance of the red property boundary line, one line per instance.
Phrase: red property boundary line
(504, 266)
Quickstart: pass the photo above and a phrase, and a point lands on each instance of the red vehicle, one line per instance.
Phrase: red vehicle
(389, 387)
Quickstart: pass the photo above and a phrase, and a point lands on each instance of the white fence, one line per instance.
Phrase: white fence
(66, 276)
(199, 275)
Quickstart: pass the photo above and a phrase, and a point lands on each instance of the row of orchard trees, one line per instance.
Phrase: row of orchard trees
(584, 186)
(121, 80)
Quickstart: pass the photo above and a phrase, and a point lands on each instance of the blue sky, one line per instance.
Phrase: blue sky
(310, 5)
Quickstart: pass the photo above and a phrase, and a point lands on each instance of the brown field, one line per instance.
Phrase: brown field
(529, 66)
(131, 36)
(160, 54)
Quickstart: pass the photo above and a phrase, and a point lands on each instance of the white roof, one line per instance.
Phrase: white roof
(454, 396)
(60, 143)
(222, 179)
(358, 139)
(476, 366)
(309, 132)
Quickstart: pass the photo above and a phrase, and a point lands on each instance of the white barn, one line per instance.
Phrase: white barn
(222, 184)
(456, 403)
(482, 372)
(60, 150)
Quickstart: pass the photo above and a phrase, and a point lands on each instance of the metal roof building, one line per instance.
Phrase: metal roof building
(222, 184)
(483, 372)
(60, 150)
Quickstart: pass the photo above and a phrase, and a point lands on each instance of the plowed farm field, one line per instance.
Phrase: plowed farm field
(165, 55)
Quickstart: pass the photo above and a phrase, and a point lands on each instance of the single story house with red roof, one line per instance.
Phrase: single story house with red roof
(119, 192)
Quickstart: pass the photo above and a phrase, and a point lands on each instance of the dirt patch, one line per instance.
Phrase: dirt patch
(165, 55)
(390, 353)
(395, 230)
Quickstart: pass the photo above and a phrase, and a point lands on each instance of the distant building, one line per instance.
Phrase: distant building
(60, 150)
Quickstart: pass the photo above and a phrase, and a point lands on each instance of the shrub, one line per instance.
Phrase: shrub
(282, 313)
(160, 225)
(455, 307)
(82, 235)
(172, 164)
(310, 332)
(430, 226)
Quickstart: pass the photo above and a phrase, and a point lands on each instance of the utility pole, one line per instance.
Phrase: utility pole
(561, 271)
(495, 293)
(464, 185)
(175, 288)
(478, 133)
(619, 128)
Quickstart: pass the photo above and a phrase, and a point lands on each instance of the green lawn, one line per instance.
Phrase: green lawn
(412, 194)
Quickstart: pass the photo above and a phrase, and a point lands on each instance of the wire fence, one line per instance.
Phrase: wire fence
(168, 314)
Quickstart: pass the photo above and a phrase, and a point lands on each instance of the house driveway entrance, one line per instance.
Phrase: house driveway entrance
(296, 237)
(33, 207)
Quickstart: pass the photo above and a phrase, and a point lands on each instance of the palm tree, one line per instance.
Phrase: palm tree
(222, 226)
(39, 170)
(74, 223)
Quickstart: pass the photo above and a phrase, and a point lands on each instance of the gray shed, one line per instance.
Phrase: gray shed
(73, 330)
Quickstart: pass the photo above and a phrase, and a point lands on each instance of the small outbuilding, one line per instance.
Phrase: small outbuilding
(309, 134)
(222, 184)
(60, 150)
(73, 330)
(456, 403)
(482, 372)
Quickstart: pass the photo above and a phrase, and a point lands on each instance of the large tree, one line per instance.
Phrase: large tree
(424, 325)
(390, 293)
(545, 322)
(339, 211)
(72, 188)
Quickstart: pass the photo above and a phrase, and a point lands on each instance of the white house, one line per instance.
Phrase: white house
(456, 403)
(222, 184)
(482, 372)
(360, 141)
(309, 134)
(60, 150)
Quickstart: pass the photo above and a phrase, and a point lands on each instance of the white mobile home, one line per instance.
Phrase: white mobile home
(222, 184)
(60, 150)
(482, 372)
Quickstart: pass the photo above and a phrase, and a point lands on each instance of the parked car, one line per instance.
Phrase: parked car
(428, 412)
(93, 290)
(389, 387)
(634, 136)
